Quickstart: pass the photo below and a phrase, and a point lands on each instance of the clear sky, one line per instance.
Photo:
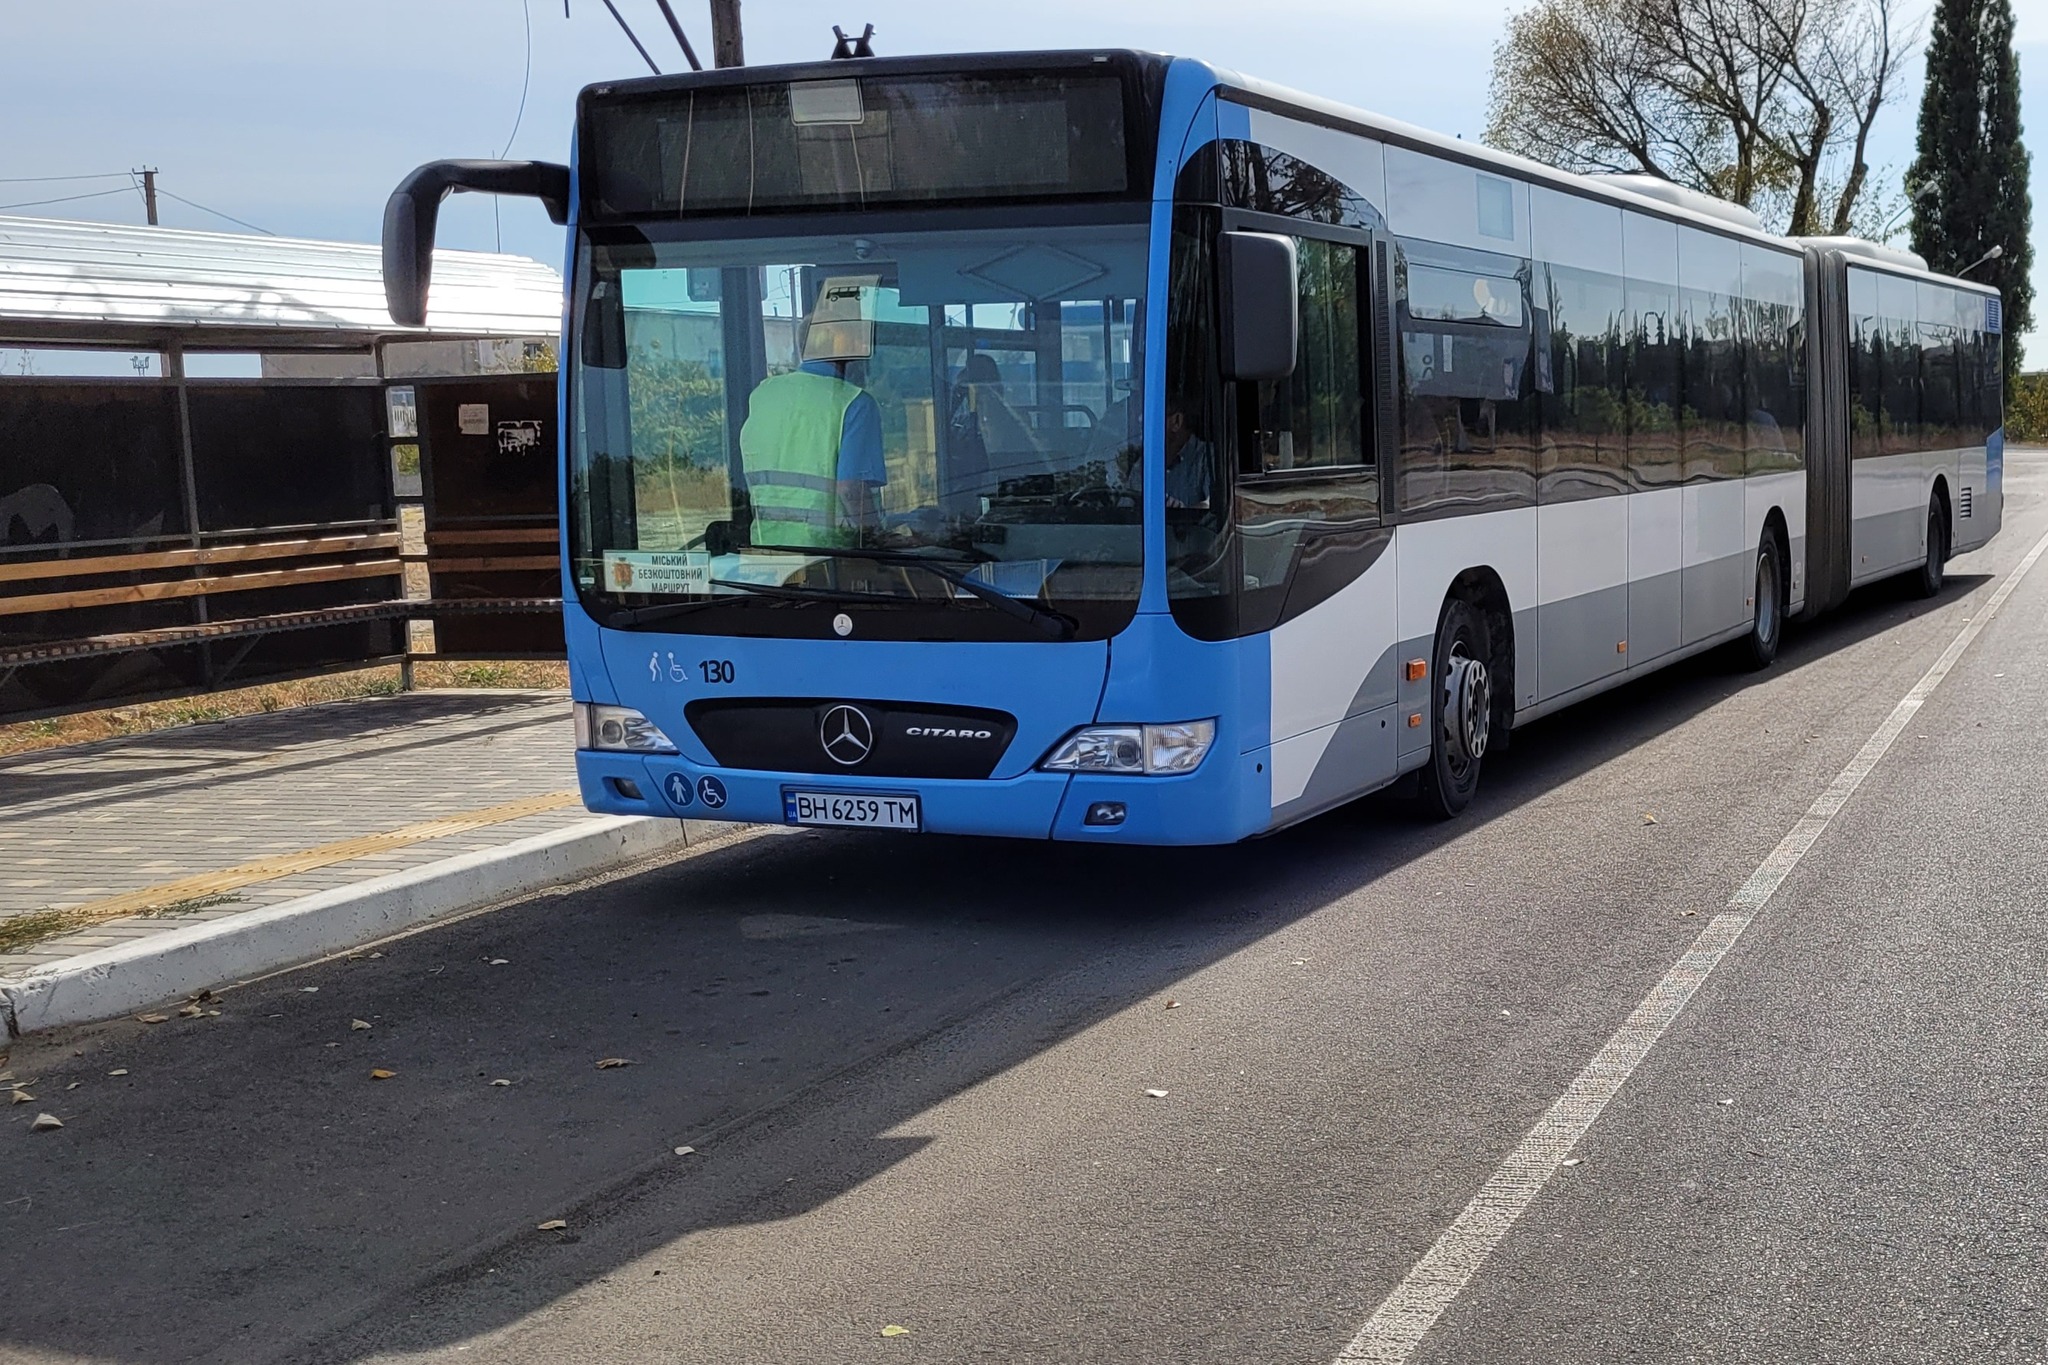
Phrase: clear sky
(300, 116)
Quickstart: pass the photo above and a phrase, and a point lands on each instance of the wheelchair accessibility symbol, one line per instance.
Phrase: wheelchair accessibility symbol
(711, 792)
(678, 788)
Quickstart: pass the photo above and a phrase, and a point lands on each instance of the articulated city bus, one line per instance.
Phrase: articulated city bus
(1103, 446)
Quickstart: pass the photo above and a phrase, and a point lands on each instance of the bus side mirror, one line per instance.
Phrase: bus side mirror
(410, 214)
(1261, 308)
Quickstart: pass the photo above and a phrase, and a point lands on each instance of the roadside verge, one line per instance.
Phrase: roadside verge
(117, 980)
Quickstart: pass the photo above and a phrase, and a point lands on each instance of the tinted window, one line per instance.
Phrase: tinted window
(1584, 423)
(1466, 388)
(1296, 474)
(1316, 419)
(1710, 274)
(1654, 404)
(877, 140)
(1773, 332)
(1866, 367)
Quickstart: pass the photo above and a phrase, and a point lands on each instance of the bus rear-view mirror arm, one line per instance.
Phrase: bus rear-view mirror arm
(414, 206)
(1261, 312)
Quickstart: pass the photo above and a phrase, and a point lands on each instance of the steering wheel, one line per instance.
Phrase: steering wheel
(1103, 496)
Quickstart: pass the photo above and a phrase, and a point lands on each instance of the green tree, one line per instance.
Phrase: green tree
(2026, 416)
(1969, 182)
(1767, 103)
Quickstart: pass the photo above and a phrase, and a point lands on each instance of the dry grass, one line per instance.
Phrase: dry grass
(115, 722)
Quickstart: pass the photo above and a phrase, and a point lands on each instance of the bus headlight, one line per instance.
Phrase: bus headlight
(619, 729)
(1134, 750)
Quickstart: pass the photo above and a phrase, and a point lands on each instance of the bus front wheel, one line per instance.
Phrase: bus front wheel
(1461, 709)
(1934, 567)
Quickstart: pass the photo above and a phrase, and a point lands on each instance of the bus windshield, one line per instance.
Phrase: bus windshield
(780, 422)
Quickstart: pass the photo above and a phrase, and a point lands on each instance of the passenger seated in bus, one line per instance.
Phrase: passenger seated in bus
(812, 442)
(988, 442)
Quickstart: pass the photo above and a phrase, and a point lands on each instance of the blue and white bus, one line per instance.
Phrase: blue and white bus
(1206, 454)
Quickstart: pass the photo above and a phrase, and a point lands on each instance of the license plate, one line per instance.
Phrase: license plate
(852, 809)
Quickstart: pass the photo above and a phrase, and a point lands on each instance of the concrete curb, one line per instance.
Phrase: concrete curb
(124, 978)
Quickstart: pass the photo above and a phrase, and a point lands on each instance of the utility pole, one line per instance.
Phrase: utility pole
(725, 34)
(148, 175)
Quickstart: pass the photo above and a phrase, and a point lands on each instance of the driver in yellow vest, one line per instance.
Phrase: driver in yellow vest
(812, 441)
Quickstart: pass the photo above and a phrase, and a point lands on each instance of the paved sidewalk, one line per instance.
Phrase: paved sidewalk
(131, 838)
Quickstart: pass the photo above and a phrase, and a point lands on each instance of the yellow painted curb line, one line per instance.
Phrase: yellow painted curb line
(227, 879)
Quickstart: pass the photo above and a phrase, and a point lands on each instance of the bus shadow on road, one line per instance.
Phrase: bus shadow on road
(242, 1187)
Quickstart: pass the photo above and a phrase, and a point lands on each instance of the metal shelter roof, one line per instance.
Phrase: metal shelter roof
(111, 284)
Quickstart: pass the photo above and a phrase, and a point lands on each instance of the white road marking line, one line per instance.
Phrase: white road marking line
(1397, 1327)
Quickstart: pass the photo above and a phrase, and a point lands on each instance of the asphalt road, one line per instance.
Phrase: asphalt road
(915, 1075)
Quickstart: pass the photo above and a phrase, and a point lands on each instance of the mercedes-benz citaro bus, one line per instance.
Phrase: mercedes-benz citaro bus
(1104, 446)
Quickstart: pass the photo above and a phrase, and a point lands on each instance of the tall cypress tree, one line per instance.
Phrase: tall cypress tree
(1969, 182)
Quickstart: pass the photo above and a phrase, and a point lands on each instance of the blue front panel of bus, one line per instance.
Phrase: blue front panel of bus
(1047, 688)
(1154, 673)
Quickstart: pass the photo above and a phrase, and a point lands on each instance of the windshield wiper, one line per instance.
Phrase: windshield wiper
(667, 611)
(1055, 624)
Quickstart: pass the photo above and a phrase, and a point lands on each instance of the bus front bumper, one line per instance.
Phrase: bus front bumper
(1194, 809)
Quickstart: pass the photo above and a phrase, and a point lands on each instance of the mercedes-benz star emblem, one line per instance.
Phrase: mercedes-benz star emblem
(847, 735)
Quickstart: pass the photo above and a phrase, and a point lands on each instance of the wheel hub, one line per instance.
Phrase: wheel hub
(1468, 707)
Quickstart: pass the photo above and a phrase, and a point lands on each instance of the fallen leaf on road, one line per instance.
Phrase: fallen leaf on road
(685, 1151)
(1157, 1094)
(552, 1225)
(1173, 1004)
(45, 1122)
(1649, 819)
(21, 1097)
(153, 1018)
(892, 1330)
(380, 1074)
(358, 1024)
(74, 1085)
(1687, 914)
(1571, 1161)
(191, 1012)
(606, 1064)
(501, 1082)
(118, 1071)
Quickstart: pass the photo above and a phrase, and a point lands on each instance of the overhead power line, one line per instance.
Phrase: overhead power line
(65, 199)
(50, 179)
(628, 28)
(190, 203)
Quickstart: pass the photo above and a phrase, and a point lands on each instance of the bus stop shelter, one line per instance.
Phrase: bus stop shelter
(218, 453)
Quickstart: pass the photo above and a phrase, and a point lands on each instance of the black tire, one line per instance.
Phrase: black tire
(1768, 597)
(1934, 568)
(1464, 637)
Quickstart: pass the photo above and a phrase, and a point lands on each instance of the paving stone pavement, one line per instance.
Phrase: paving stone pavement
(93, 821)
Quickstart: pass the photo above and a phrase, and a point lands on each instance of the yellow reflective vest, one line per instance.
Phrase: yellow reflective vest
(790, 447)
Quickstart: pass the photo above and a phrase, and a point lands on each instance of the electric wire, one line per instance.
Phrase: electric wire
(49, 179)
(189, 203)
(65, 199)
(525, 82)
(632, 37)
(689, 53)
